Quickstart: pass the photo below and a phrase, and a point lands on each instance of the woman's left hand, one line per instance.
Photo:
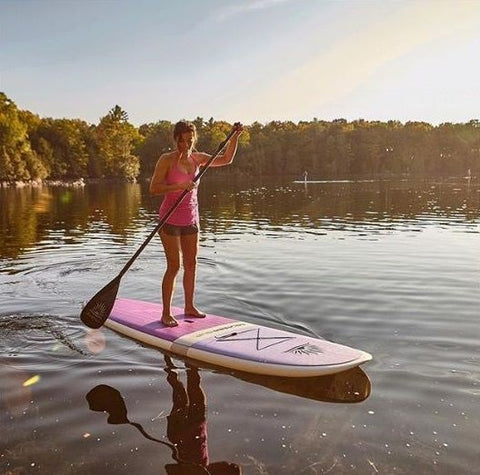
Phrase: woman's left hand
(238, 127)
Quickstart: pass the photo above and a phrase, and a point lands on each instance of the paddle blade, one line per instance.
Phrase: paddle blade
(99, 307)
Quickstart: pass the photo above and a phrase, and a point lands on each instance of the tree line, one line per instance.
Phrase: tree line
(34, 148)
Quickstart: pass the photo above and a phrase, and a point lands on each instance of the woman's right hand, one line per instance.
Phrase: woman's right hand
(188, 185)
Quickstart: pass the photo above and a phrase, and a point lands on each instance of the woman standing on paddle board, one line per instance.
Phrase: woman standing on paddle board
(173, 174)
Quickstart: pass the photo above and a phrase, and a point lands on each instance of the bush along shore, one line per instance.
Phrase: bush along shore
(80, 182)
(66, 182)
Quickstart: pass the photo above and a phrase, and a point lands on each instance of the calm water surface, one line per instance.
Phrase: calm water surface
(389, 267)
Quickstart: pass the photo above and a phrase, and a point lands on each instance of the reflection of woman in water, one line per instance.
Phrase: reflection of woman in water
(187, 422)
(187, 426)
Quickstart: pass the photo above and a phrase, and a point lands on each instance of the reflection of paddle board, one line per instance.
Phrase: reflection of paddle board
(352, 385)
(348, 386)
(232, 343)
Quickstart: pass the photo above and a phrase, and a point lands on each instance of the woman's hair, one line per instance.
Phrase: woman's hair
(183, 126)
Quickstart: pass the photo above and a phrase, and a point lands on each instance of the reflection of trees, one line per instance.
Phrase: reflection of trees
(28, 215)
(374, 202)
(19, 216)
(118, 208)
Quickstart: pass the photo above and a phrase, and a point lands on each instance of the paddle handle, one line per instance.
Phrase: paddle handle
(179, 200)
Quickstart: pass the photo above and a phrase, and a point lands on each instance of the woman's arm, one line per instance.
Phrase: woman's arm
(157, 183)
(226, 157)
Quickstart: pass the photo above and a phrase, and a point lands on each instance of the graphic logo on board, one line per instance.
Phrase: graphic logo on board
(305, 349)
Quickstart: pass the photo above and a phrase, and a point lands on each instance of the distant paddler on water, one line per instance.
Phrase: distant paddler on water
(469, 176)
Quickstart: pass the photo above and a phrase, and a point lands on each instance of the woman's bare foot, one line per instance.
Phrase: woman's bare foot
(169, 321)
(194, 312)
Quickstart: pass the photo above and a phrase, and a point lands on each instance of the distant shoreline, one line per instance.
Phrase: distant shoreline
(81, 182)
(71, 183)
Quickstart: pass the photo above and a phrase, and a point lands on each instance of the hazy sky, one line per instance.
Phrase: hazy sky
(243, 60)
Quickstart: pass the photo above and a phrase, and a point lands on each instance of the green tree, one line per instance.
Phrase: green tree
(17, 159)
(157, 139)
(61, 144)
(31, 147)
(117, 139)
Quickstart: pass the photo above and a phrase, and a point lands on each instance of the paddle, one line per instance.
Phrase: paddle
(97, 310)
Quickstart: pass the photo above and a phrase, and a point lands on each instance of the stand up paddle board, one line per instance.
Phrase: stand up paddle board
(232, 343)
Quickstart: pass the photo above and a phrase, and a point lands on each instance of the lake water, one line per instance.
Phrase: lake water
(389, 267)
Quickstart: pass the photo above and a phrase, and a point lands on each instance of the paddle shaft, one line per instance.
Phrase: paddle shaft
(175, 205)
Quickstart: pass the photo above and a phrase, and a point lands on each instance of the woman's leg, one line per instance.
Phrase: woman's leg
(179, 394)
(171, 245)
(189, 247)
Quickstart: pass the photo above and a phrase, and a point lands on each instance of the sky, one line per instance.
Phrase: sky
(243, 60)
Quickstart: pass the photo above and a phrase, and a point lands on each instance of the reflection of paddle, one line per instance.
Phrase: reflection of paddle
(104, 398)
(97, 310)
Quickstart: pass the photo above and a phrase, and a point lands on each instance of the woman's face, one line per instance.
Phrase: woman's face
(185, 142)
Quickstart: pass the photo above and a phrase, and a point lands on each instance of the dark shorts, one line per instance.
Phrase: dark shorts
(173, 230)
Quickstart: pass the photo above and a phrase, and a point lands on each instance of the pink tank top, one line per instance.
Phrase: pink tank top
(187, 211)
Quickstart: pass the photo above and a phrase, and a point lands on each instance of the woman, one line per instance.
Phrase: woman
(173, 174)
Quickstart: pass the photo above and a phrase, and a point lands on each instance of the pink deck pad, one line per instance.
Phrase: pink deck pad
(145, 317)
(257, 343)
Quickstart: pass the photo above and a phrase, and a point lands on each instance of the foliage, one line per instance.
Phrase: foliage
(157, 139)
(17, 159)
(61, 144)
(35, 148)
(116, 139)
